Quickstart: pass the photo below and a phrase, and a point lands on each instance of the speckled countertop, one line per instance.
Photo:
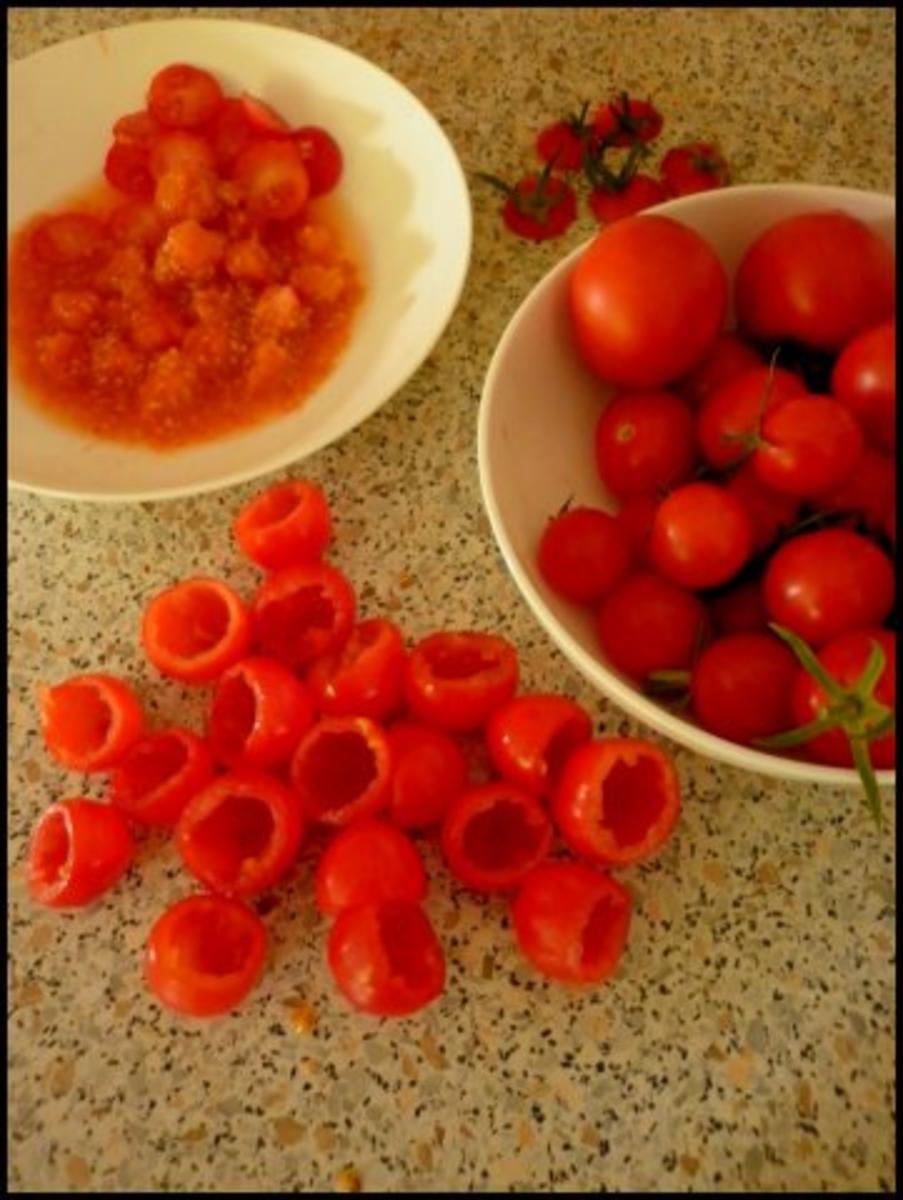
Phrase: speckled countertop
(746, 1042)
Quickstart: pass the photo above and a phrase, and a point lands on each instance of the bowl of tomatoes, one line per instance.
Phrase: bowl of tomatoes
(237, 244)
(687, 456)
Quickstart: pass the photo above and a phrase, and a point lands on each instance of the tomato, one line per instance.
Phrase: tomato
(530, 738)
(181, 152)
(140, 129)
(183, 97)
(740, 686)
(204, 955)
(731, 418)
(625, 120)
(457, 680)
(617, 800)
(159, 775)
(79, 849)
(818, 278)
(869, 492)
(728, 357)
(127, 169)
(368, 863)
(770, 512)
(386, 958)
(137, 223)
(614, 204)
(365, 678)
(258, 713)
(539, 206)
(695, 167)
(644, 442)
(809, 445)
(263, 119)
(493, 835)
(428, 771)
(273, 179)
(69, 238)
(341, 770)
(820, 585)
(701, 536)
(865, 380)
(303, 612)
(229, 133)
(647, 299)
(571, 921)
(583, 553)
(741, 609)
(89, 722)
(285, 526)
(650, 624)
(321, 157)
(636, 516)
(195, 630)
(562, 143)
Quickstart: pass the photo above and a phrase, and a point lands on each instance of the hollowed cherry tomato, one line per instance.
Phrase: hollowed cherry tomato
(531, 737)
(732, 416)
(809, 444)
(368, 863)
(273, 178)
(127, 169)
(195, 630)
(701, 536)
(865, 380)
(159, 775)
(583, 553)
(321, 156)
(365, 678)
(89, 722)
(428, 772)
(78, 850)
(457, 680)
(729, 357)
(644, 442)
(493, 835)
(285, 526)
(769, 512)
(740, 686)
(183, 97)
(650, 624)
(303, 612)
(258, 714)
(341, 770)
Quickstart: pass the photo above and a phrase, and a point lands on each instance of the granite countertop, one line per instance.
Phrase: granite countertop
(746, 1042)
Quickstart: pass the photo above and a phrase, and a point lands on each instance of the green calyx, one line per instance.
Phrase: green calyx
(601, 176)
(538, 203)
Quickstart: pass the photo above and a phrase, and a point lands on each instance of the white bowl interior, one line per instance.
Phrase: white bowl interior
(403, 190)
(537, 415)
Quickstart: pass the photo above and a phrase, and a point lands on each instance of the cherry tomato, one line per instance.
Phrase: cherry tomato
(741, 609)
(636, 516)
(695, 167)
(183, 97)
(428, 771)
(127, 169)
(818, 278)
(865, 380)
(229, 133)
(624, 120)
(729, 357)
(537, 207)
(701, 536)
(181, 152)
(341, 770)
(650, 624)
(204, 955)
(140, 129)
(530, 738)
(493, 835)
(89, 722)
(614, 204)
(740, 686)
(79, 849)
(644, 442)
(810, 444)
(69, 238)
(869, 492)
(302, 612)
(732, 416)
(647, 299)
(770, 512)
(159, 775)
(368, 863)
(457, 680)
(321, 157)
(285, 526)
(562, 143)
(820, 585)
(583, 553)
(195, 630)
(386, 959)
(273, 179)
(365, 678)
(571, 921)
(262, 117)
(258, 713)
(617, 800)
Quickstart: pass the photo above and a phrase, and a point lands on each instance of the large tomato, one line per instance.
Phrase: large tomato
(647, 300)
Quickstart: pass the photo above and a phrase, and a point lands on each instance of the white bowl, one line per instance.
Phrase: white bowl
(537, 415)
(403, 189)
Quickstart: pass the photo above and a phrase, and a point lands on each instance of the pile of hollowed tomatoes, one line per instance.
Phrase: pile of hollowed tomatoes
(319, 720)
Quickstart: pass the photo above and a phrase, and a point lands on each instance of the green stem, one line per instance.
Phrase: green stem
(796, 737)
(808, 660)
(872, 671)
(869, 782)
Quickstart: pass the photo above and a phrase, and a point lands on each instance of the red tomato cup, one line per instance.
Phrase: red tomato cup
(365, 678)
(204, 955)
(428, 772)
(159, 775)
(457, 680)
(493, 835)
(531, 737)
(287, 525)
(78, 850)
(617, 801)
(241, 834)
(303, 612)
(89, 722)
(571, 921)
(386, 958)
(368, 863)
(258, 714)
(341, 770)
(195, 630)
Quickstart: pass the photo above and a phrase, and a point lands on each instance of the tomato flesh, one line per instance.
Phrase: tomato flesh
(89, 722)
(183, 97)
(366, 677)
(457, 680)
(493, 835)
(195, 630)
(303, 612)
(341, 770)
(79, 849)
(258, 714)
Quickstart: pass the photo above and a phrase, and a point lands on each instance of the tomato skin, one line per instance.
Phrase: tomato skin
(273, 178)
(262, 117)
(557, 916)
(562, 143)
(258, 713)
(90, 722)
(770, 512)
(695, 167)
(300, 613)
(126, 169)
(818, 278)
(493, 835)
(137, 129)
(151, 796)
(530, 737)
(644, 442)
(365, 678)
(79, 849)
(195, 630)
(370, 862)
(183, 97)
(869, 492)
(740, 610)
(285, 526)
(341, 770)
(229, 133)
(810, 444)
(583, 554)
(614, 204)
(525, 215)
(734, 411)
(456, 680)
(647, 299)
(728, 357)
(624, 120)
(865, 380)
(321, 157)
(740, 686)
(701, 536)
(650, 624)
(636, 516)
(821, 585)
(428, 771)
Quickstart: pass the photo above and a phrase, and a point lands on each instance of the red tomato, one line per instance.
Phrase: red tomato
(810, 444)
(428, 771)
(865, 380)
(137, 223)
(818, 278)
(457, 680)
(285, 526)
(869, 492)
(258, 713)
(650, 624)
(78, 850)
(820, 585)
(493, 835)
(530, 738)
(624, 120)
(89, 722)
(229, 133)
(273, 179)
(303, 612)
(181, 152)
(729, 357)
(365, 678)
(740, 686)
(204, 955)
(341, 770)
(159, 775)
(583, 554)
(241, 834)
(262, 117)
(386, 958)
(321, 157)
(137, 129)
(562, 143)
(127, 169)
(740, 610)
(701, 536)
(538, 207)
(368, 863)
(69, 238)
(195, 630)
(571, 921)
(732, 416)
(695, 167)
(617, 800)
(614, 204)
(644, 442)
(183, 97)
(769, 512)
(636, 516)
(647, 299)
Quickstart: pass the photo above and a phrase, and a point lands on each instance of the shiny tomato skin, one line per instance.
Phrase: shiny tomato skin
(865, 380)
(810, 444)
(159, 775)
(286, 525)
(79, 849)
(365, 678)
(644, 442)
(530, 738)
(428, 771)
(740, 686)
(456, 680)
(321, 156)
(733, 413)
(258, 713)
(701, 536)
(368, 863)
(650, 624)
(636, 517)
(183, 97)
(302, 612)
(728, 357)
(583, 553)
(195, 629)
(90, 722)
(770, 512)
(341, 770)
